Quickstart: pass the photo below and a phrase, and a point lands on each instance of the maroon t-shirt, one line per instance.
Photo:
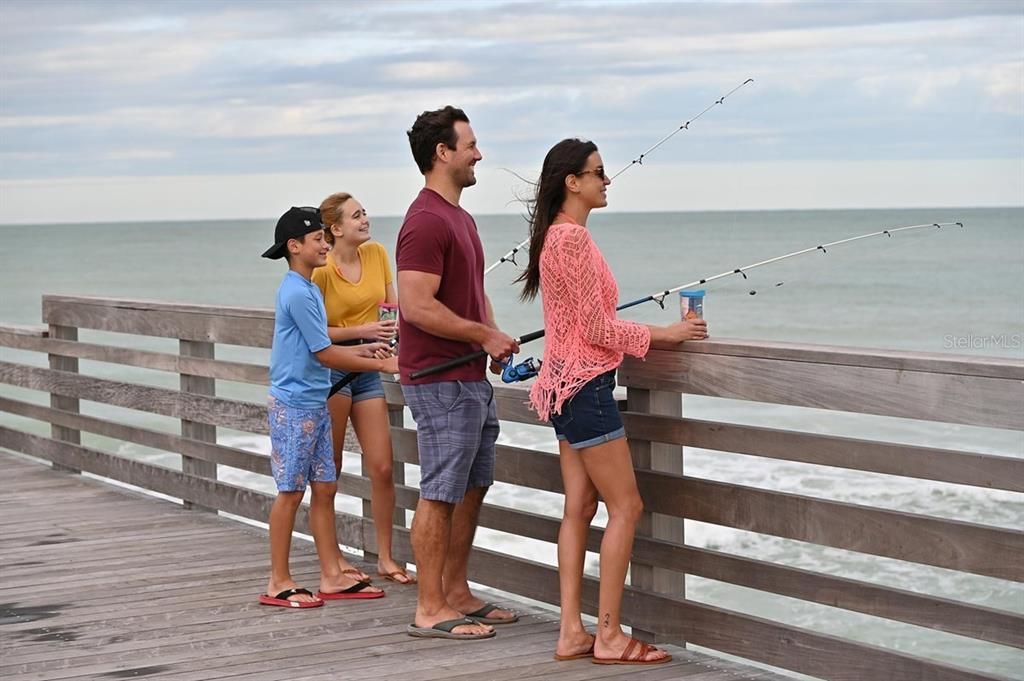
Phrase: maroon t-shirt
(439, 238)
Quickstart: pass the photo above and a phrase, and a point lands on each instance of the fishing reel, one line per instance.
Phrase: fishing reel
(525, 370)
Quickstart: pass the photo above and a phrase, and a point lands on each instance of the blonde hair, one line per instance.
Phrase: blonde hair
(330, 212)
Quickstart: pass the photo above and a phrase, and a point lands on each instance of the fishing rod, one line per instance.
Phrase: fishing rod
(511, 255)
(639, 160)
(353, 375)
(659, 296)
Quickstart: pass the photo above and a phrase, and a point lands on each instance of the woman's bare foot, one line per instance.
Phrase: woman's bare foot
(574, 643)
(350, 570)
(613, 646)
(389, 569)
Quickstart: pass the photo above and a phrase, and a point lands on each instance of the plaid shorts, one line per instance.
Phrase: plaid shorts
(300, 446)
(456, 428)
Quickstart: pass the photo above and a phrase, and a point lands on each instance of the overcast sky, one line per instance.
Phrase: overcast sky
(193, 109)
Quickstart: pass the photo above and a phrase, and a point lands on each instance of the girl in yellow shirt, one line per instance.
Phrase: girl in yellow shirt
(354, 282)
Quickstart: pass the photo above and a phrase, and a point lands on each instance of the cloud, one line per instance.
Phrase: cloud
(154, 87)
(138, 154)
(428, 71)
(1004, 84)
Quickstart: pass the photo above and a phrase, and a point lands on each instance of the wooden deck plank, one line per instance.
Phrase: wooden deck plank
(384, 656)
(122, 586)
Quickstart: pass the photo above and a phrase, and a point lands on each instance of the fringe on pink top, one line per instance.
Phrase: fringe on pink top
(583, 336)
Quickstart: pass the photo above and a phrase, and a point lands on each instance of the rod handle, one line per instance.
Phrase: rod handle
(470, 357)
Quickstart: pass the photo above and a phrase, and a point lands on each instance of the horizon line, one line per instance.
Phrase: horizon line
(491, 214)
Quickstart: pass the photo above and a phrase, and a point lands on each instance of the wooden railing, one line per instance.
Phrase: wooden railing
(942, 388)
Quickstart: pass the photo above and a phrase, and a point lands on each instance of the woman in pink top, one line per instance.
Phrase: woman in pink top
(585, 344)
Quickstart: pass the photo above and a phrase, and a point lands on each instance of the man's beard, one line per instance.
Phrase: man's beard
(467, 179)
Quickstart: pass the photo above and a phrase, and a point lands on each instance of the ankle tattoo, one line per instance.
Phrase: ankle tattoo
(607, 617)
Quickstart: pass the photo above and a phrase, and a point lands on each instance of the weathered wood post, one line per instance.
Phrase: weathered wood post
(70, 404)
(198, 385)
(659, 457)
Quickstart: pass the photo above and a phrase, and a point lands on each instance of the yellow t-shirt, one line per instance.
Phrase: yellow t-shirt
(351, 304)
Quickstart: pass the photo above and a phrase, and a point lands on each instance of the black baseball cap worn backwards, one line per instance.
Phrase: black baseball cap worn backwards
(294, 224)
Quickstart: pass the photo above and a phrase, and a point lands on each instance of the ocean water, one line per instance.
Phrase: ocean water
(943, 290)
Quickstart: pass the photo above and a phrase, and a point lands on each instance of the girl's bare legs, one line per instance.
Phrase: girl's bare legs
(339, 406)
(579, 510)
(325, 537)
(370, 420)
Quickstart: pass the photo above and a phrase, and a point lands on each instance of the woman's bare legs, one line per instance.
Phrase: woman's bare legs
(579, 510)
(610, 468)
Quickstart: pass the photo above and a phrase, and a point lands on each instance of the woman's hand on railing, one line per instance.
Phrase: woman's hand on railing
(673, 334)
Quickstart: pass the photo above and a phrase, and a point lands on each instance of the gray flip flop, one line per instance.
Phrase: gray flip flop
(444, 630)
(480, 615)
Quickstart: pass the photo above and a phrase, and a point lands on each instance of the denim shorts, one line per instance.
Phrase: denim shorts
(591, 416)
(456, 428)
(300, 446)
(365, 386)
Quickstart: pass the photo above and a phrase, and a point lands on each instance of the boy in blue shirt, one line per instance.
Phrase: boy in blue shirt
(301, 358)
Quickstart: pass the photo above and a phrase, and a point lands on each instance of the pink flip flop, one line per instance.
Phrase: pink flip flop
(352, 593)
(281, 599)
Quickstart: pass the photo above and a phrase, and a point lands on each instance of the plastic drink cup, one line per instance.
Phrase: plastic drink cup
(691, 305)
(387, 312)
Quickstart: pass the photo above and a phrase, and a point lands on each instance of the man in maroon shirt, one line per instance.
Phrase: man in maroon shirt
(444, 314)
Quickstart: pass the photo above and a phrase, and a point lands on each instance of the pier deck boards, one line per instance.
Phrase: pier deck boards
(97, 582)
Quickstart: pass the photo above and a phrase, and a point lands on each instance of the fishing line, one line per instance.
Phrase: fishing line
(639, 160)
(659, 296)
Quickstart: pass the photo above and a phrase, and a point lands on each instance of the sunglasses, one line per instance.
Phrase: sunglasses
(599, 172)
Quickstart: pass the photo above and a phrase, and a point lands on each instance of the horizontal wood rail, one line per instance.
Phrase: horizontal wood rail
(984, 392)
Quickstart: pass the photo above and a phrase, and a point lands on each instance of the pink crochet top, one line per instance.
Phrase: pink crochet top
(583, 336)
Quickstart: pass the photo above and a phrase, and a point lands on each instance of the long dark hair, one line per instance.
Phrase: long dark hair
(568, 157)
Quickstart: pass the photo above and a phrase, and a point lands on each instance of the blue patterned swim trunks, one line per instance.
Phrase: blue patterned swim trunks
(300, 446)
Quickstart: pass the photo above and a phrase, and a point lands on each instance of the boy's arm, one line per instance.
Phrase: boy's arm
(363, 358)
(308, 314)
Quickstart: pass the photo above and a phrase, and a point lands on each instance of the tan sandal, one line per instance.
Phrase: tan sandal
(393, 577)
(633, 655)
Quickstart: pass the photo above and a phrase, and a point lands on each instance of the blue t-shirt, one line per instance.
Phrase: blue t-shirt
(297, 378)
